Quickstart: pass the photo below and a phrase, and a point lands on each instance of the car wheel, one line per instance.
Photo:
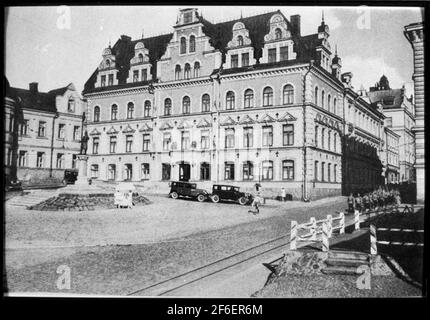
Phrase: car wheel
(201, 198)
(243, 201)
(174, 195)
(215, 198)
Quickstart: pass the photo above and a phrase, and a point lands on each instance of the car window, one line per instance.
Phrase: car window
(236, 189)
(193, 186)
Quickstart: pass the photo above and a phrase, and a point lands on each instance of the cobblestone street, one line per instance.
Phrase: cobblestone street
(118, 251)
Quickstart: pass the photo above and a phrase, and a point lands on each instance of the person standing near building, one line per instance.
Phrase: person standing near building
(358, 203)
(283, 194)
(351, 201)
(256, 203)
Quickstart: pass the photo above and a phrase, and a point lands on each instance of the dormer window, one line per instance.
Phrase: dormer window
(188, 17)
(110, 80)
(177, 72)
(284, 53)
(192, 44)
(103, 80)
(235, 61)
(140, 58)
(183, 46)
(135, 75)
(144, 74)
(278, 34)
(272, 55)
(245, 59)
(71, 105)
(107, 63)
(240, 41)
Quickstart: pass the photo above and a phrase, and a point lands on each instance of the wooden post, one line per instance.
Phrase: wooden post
(313, 228)
(356, 220)
(373, 247)
(325, 241)
(330, 225)
(293, 235)
(342, 223)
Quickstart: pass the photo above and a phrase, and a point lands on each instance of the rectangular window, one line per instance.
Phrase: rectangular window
(110, 80)
(248, 171)
(144, 171)
(111, 172)
(205, 171)
(245, 59)
(204, 139)
(234, 61)
(96, 142)
(389, 122)
(23, 130)
(267, 136)
(329, 172)
(167, 139)
(60, 160)
(322, 171)
(229, 138)
(229, 171)
(40, 160)
(335, 173)
(11, 120)
(188, 17)
(135, 75)
(42, 129)
(76, 130)
(316, 171)
(267, 173)
(185, 140)
(128, 143)
(146, 142)
(284, 53)
(103, 81)
(165, 171)
(94, 171)
(61, 130)
(144, 75)
(272, 55)
(22, 160)
(288, 134)
(9, 157)
(112, 145)
(288, 170)
(248, 137)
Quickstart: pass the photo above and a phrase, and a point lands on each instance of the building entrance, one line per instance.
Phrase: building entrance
(184, 172)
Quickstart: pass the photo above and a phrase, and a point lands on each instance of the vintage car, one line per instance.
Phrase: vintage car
(13, 185)
(70, 176)
(188, 190)
(226, 192)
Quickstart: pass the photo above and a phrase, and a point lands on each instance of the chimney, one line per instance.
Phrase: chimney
(33, 87)
(295, 24)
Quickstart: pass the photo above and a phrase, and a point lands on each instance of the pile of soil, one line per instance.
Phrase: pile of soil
(84, 202)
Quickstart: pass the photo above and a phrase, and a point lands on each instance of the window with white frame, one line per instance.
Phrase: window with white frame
(229, 138)
(267, 97)
(267, 136)
(128, 143)
(288, 170)
(204, 139)
(267, 170)
(144, 169)
(229, 100)
(146, 141)
(147, 109)
(22, 159)
(249, 99)
(288, 94)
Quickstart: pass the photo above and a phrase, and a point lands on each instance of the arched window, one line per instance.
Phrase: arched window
(329, 102)
(288, 94)
(206, 103)
(107, 63)
(278, 34)
(239, 40)
(249, 98)
(140, 58)
(187, 71)
(114, 112)
(267, 97)
(186, 104)
(322, 98)
(316, 136)
(96, 114)
(316, 96)
(334, 105)
(192, 44)
(196, 69)
(177, 72)
(71, 105)
(147, 109)
(167, 107)
(323, 138)
(130, 110)
(229, 100)
(183, 48)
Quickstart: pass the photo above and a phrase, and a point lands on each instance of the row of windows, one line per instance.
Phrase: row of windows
(191, 46)
(324, 101)
(187, 71)
(363, 121)
(103, 80)
(326, 142)
(40, 159)
(130, 111)
(140, 75)
(323, 175)
(24, 129)
(229, 142)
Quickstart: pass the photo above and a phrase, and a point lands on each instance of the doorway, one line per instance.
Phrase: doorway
(184, 172)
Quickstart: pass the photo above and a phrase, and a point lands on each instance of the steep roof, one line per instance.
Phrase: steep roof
(388, 98)
(220, 34)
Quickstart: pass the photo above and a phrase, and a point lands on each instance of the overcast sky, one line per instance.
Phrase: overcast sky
(41, 47)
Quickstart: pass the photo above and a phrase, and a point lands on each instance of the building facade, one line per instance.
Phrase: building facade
(399, 112)
(43, 132)
(415, 35)
(239, 102)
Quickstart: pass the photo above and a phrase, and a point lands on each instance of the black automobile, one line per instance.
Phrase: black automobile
(232, 193)
(187, 190)
(70, 176)
(13, 185)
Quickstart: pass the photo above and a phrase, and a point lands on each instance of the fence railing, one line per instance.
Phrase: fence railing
(374, 240)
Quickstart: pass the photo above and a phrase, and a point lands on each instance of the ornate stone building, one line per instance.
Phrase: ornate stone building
(415, 34)
(239, 102)
(42, 133)
(399, 112)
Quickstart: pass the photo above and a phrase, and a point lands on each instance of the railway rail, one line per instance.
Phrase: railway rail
(179, 282)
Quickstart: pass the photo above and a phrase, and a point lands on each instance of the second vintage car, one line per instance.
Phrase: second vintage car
(226, 192)
(188, 190)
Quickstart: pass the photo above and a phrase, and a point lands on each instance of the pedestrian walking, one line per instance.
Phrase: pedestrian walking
(351, 201)
(358, 203)
(256, 202)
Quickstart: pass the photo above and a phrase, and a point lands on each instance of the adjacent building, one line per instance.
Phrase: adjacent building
(399, 112)
(42, 132)
(239, 102)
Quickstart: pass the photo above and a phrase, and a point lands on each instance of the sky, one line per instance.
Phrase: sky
(57, 45)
